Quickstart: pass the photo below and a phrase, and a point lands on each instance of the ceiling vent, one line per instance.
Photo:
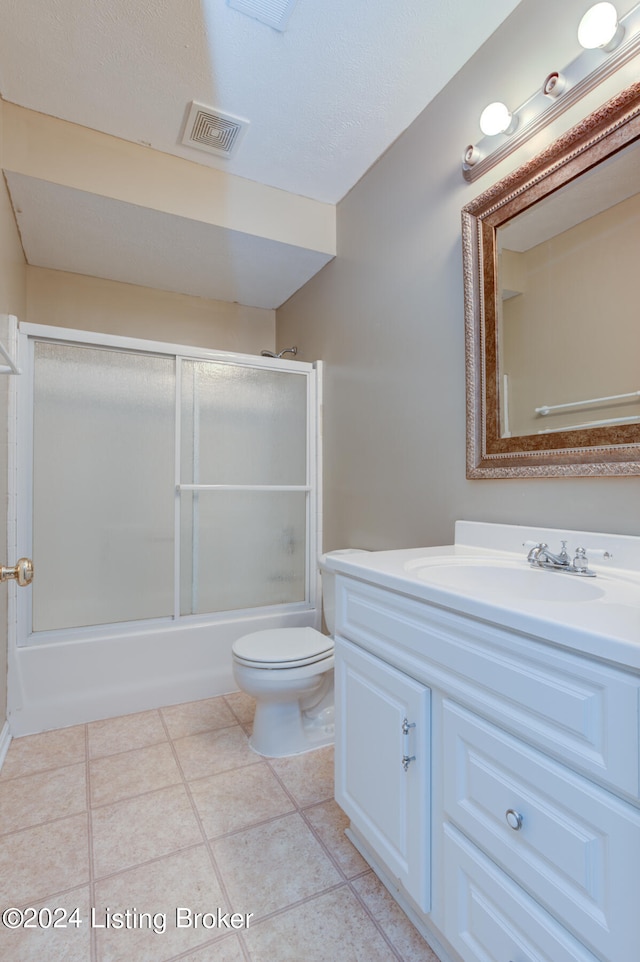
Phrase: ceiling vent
(275, 13)
(211, 130)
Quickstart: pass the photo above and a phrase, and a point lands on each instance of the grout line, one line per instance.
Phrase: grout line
(92, 887)
(37, 825)
(207, 843)
(223, 771)
(125, 751)
(196, 815)
(372, 915)
(149, 861)
(142, 794)
(212, 943)
(6, 779)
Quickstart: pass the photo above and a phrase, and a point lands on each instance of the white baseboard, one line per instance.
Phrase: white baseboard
(5, 741)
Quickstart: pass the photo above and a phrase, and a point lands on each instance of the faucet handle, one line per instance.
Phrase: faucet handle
(580, 562)
(599, 553)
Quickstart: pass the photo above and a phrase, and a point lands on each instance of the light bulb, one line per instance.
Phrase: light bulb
(495, 119)
(600, 28)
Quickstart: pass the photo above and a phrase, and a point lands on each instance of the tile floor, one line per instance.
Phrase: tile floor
(129, 819)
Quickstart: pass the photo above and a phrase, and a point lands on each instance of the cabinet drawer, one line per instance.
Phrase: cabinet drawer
(570, 706)
(489, 918)
(571, 845)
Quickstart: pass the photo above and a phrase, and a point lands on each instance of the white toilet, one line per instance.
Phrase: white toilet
(289, 671)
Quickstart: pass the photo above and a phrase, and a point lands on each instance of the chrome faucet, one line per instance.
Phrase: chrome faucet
(541, 557)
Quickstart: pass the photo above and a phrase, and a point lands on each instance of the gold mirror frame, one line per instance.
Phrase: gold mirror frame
(613, 450)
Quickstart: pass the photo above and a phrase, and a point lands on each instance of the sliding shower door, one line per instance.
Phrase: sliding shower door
(103, 424)
(162, 483)
(243, 486)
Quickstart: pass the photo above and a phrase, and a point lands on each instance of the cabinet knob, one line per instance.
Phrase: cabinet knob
(514, 819)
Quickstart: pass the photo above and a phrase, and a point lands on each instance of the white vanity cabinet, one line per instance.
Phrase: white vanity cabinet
(383, 763)
(533, 759)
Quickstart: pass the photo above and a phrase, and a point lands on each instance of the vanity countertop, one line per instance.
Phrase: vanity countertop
(485, 575)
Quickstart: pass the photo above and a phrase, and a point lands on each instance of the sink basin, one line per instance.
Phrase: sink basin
(496, 579)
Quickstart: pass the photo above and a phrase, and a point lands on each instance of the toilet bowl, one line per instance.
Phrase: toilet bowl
(289, 671)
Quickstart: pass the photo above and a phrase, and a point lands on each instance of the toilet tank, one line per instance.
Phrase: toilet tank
(329, 586)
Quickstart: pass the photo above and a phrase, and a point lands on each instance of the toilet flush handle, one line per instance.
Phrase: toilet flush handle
(21, 571)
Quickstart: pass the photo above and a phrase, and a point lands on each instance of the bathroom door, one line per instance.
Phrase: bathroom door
(158, 486)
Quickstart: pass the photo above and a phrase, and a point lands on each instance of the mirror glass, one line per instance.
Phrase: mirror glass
(567, 286)
(551, 263)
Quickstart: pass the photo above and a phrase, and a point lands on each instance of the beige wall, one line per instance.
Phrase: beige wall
(109, 307)
(12, 301)
(387, 318)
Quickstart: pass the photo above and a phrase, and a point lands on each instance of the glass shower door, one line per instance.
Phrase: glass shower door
(244, 488)
(156, 485)
(103, 462)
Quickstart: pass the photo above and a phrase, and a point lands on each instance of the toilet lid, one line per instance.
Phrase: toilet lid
(283, 647)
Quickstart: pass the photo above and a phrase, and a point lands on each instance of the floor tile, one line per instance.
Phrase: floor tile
(171, 791)
(309, 777)
(28, 800)
(329, 822)
(133, 831)
(404, 937)
(330, 927)
(226, 950)
(239, 798)
(270, 866)
(115, 777)
(242, 705)
(49, 858)
(121, 734)
(53, 944)
(211, 752)
(36, 753)
(198, 716)
(184, 880)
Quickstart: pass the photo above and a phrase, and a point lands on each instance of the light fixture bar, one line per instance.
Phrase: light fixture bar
(579, 78)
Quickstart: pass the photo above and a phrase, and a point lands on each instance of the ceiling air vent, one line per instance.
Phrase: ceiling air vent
(211, 130)
(275, 13)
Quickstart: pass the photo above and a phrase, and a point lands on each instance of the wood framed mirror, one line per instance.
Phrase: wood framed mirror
(551, 259)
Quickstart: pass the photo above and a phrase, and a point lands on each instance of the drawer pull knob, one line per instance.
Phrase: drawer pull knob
(514, 819)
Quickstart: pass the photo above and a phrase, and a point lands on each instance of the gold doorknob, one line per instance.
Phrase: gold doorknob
(22, 572)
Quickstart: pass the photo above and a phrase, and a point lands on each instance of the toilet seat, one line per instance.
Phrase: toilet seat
(276, 648)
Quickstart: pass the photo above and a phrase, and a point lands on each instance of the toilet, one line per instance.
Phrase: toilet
(289, 671)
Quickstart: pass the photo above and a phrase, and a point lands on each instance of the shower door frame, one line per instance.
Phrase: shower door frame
(21, 481)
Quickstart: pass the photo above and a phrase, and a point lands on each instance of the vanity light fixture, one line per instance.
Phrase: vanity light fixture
(601, 35)
(600, 28)
(496, 119)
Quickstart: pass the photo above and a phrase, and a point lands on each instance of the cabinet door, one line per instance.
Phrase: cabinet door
(383, 762)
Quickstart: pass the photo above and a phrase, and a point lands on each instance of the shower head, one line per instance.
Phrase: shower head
(287, 350)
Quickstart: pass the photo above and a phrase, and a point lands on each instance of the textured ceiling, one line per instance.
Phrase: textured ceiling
(324, 98)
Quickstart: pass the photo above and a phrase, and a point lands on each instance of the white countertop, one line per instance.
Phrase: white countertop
(606, 626)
